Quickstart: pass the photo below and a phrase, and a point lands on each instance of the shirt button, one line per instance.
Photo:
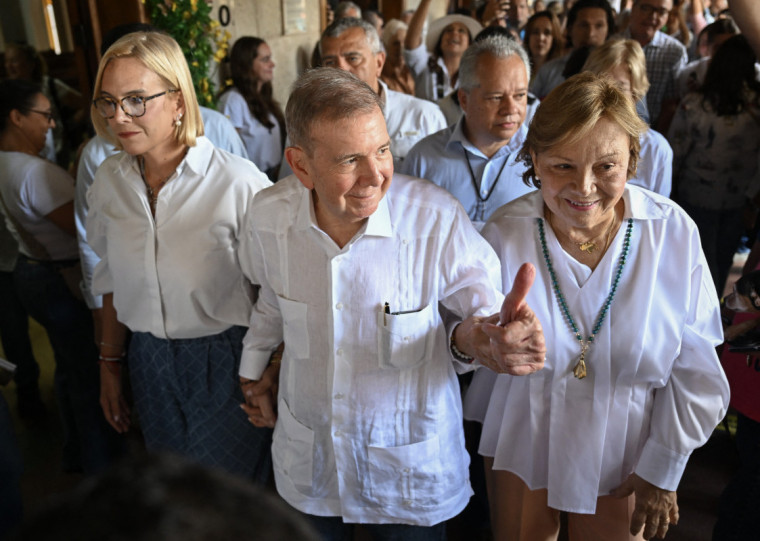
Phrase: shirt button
(406, 339)
(404, 242)
(407, 503)
(407, 470)
(339, 306)
(339, 352)
(339, 396)
(338, 434)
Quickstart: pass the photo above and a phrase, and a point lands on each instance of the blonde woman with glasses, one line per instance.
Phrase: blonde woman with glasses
(165, 216)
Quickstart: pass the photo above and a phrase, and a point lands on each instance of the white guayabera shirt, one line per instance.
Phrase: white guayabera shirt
(369, 414)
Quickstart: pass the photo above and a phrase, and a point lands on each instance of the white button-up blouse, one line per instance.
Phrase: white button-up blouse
(176, 275)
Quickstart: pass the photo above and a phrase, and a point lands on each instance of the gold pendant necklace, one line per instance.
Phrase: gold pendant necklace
(589, 246)
(579, 371)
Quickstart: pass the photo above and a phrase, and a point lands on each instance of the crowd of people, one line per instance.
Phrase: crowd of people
(518, 218)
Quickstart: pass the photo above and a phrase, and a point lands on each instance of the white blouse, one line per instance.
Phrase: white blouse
(655, 388)
(176, 275)
(264, 145)
(32, 188)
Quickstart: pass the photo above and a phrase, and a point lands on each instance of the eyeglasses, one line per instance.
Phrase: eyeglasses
(648, 9)
(133, 106)
(46, 114)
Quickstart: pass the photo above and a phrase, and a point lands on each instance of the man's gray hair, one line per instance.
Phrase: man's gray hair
(343, 7)
(326, 94)
(338, 26)
(496, 46)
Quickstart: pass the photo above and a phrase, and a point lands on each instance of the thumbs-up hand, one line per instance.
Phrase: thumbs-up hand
(511, 341)
(515, 299)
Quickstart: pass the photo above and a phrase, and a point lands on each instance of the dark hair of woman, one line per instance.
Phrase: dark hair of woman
(16, 94)
(438, 70)
(438, 52)
(556, 49)
(260, 101)
(730, 74)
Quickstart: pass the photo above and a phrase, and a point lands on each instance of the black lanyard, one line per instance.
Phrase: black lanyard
(475, 182)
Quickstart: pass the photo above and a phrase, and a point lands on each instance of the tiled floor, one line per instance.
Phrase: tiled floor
(707, 473)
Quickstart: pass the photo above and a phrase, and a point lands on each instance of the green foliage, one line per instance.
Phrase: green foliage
(203, 41)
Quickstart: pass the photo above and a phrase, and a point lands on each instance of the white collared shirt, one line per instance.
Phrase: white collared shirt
(216, 127)
(408, 120)
(655, 389)
(481, 184)
(264, 145)
(655, 167)
(369, 416)
(175, 276)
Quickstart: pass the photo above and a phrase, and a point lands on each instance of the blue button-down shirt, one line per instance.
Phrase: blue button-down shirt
(482, 186)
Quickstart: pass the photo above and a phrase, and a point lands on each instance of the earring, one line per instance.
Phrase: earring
(178, 121)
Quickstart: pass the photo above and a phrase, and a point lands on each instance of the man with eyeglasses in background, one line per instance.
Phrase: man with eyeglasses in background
(665, 57)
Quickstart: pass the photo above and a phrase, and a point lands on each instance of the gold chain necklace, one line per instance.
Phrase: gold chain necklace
(587, 246)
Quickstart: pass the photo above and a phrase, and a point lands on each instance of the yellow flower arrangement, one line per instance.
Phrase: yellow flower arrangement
(202, 39)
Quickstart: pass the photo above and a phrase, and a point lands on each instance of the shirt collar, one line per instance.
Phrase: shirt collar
(458, 138)
(197, 159)
(383, 93)
(640, 207)
(657, 40)
(378, 224)
(305, 217)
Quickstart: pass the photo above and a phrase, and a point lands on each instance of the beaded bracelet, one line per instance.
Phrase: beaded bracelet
(458, 355)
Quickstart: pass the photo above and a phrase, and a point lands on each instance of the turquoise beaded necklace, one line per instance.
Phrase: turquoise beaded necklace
(580, 368)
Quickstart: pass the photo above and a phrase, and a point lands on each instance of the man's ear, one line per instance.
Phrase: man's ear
(299, 163)
(380, 59)
(463, 97)
(16, 117)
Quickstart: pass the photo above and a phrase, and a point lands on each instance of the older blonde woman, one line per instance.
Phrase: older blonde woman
(165, 218)
(623, 60)
(631, 383)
